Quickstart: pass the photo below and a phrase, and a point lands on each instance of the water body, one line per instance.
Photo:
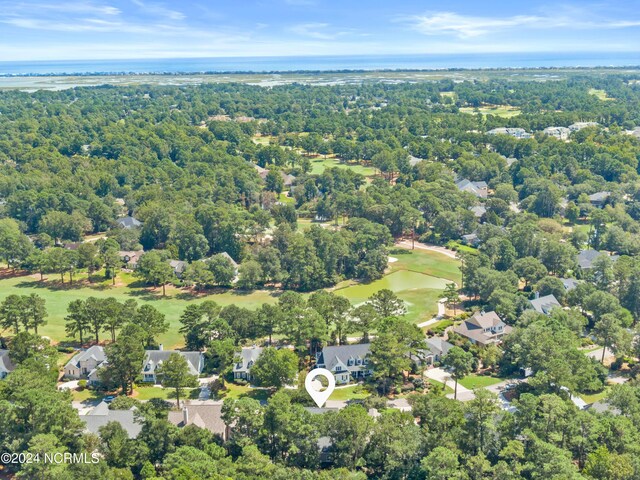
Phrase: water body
(319, 63)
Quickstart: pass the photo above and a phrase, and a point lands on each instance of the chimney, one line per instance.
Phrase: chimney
(161, 347)
(185, 416)
(537, 295)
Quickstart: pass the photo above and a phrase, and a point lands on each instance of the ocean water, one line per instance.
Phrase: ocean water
(320, 63)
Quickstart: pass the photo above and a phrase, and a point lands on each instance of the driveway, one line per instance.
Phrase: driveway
(442, 376)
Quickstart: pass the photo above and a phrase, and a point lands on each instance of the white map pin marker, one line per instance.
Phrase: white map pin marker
(320, 397)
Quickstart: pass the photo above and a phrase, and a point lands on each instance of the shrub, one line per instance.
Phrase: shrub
(82, 384)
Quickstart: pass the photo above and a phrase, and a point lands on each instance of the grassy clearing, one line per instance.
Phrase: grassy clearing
(479, 381)
(601, 94)
(414, 278)
(504, 111)
(58, 296)
(353, 392)
(596, 397)
(319, 165)
(235, 392)
(147, 393)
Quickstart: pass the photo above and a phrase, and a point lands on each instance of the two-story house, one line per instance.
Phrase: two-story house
(85, 364)
(244, 361)
(483, 328)
(346, 362)
(154, 359)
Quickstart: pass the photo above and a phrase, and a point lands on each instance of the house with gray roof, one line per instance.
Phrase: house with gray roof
(479, 189)
(512, 132)
(599, 199)
(561, 133)
(471, 239)
(178, 266)
(100, 415)
(483, 328)
(478, 211)
(206, 415)
(586, 258)
(244, 361)
(436, 348)
(6, 365)
(346, 362)
(413, 161)
(155, 358)
(580, 125)
(128, 222)
(545, 304)
(85, 364)
(569, 283)
(131, 258)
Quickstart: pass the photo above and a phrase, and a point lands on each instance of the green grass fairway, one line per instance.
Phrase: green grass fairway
(479, 381)
(418, 277)
(504, 111)
(319, 165)
(601, 94)
(172, 305)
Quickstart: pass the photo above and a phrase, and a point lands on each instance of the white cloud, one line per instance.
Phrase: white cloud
(319, 31)
(466, 26)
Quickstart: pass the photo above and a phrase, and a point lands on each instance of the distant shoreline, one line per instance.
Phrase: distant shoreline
(319, 71)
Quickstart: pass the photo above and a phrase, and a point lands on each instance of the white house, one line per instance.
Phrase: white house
(346, 362)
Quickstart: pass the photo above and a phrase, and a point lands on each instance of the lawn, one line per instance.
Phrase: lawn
(319, 165)
(596, 397)
(601, 94)
(235, 391)
(57, 298)
(479, 381)
(435, 383)
(504, 111)
(352, 392)
(414, 277)
(86, 395)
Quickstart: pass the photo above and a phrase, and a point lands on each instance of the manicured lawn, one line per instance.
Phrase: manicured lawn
(596, 397)
(435, 383)
(319, 165)
(353, 392)
(479, 381)
(86, 394)
(147, 393)
(413, 278)
(235, 391)
(504, 111)
(58, 296)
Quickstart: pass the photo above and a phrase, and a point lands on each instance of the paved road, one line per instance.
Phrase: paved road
(441, 307)
(423, 246)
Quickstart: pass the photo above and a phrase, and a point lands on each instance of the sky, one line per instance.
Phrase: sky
(120, 29)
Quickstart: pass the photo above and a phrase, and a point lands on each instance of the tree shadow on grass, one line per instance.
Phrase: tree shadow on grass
(57, 286)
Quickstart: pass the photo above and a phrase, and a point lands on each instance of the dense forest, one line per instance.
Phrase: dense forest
(217, 178)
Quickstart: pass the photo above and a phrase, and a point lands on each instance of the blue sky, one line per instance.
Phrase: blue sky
(100, 29)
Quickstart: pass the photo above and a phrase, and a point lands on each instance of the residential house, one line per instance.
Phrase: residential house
(435, 350)
(207, 415)
(479, 189)
(569, 283)
(512, 132)
(244, 361)
(346, 362)
(6, 365)
(478, 211)
(545, 304)
(128, 222)
(287, 179)
(580, 125)
(178, 266)
(262, 172)
(101, 415)
(483, 328)
(233, 262)
(599, 199)
(586, 258)
(131, 258)
(471, 239)
(72, 245)
(85, 364)
(154, 359)
(561, 133)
